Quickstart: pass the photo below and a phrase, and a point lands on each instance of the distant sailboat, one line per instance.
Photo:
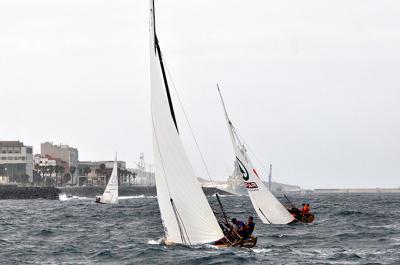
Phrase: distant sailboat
(110, 194)
(268, 208)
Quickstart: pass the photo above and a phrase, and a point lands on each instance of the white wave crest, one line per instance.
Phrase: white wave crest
(136, 197)
(155, 242)
(65, 197)
(260, 250)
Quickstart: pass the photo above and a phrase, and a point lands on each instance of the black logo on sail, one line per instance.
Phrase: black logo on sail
(243, 170)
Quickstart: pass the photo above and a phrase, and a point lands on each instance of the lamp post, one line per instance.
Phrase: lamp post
(5, 169)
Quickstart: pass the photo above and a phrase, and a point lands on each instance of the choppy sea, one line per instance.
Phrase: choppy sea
(349, 229)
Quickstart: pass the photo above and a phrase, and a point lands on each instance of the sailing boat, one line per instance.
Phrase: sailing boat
(186, 214)
(268, 208)
(110, 195)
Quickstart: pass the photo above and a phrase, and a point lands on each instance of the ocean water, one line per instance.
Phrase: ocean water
(349, 229)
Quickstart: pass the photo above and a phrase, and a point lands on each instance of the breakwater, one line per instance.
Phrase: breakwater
(92, 191)
(25, 193)
(375, 190)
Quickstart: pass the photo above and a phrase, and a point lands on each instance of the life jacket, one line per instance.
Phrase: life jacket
(250, 228)
(240, 225)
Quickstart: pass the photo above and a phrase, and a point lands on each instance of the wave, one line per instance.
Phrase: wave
(261, 250)
(155, 242)
(136, 197)
(65, 197)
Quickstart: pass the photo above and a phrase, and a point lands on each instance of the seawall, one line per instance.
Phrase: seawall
(92, 191)
(25, 193)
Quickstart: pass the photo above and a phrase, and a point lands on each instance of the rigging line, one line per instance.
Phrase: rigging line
(264, 215)
(178, 220)
(190, 126)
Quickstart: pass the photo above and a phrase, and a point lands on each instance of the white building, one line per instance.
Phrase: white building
(16, 160)
(44, 161)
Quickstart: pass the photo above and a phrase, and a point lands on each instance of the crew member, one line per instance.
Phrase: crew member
(239, 225)
(308, 210)
(249, 227)
(304, 208)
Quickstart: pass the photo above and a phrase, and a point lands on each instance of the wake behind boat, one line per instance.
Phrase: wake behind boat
(185, 212)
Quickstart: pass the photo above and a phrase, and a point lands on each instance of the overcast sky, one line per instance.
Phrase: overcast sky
(312, 86)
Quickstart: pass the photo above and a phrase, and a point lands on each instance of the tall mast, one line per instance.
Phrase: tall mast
(160, 58)
(185, 212)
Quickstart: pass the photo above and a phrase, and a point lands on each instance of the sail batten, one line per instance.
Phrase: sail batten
(268, 208)
(186, 215)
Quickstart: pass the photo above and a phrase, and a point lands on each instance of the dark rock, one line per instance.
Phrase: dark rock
(92, 191)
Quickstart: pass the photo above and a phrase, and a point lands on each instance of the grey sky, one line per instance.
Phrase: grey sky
(312, 86)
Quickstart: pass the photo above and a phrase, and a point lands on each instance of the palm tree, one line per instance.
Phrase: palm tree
(43, 170)
(50, 170)
(67, 177)
(57, 170)
(36, 172)
(86, 170)
(62, 171)
(72, 171)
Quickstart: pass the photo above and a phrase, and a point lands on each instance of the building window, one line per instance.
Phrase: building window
(29, 150)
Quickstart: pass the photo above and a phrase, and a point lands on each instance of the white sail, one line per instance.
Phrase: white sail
(186, 215)
(268, 208)
(110, 194)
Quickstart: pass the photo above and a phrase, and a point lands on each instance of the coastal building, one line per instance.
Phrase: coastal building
(97, 172)
(61, 152)
(44, 161)
(16, 161)
(98, 164)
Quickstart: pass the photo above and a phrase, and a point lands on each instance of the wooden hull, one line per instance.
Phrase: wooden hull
(308, 219)
(305, 219)
(249, 242)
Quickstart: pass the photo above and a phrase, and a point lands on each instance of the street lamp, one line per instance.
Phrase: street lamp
(5, 169)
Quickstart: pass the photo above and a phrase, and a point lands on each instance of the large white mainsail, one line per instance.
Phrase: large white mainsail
(186, 215)
(110, 194)
(268, 208)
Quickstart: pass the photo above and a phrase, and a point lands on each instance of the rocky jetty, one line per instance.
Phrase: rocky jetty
(26, 193)
(92, 191)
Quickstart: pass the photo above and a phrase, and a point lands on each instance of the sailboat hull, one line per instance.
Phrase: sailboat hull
(248, 242)
(305, 219)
